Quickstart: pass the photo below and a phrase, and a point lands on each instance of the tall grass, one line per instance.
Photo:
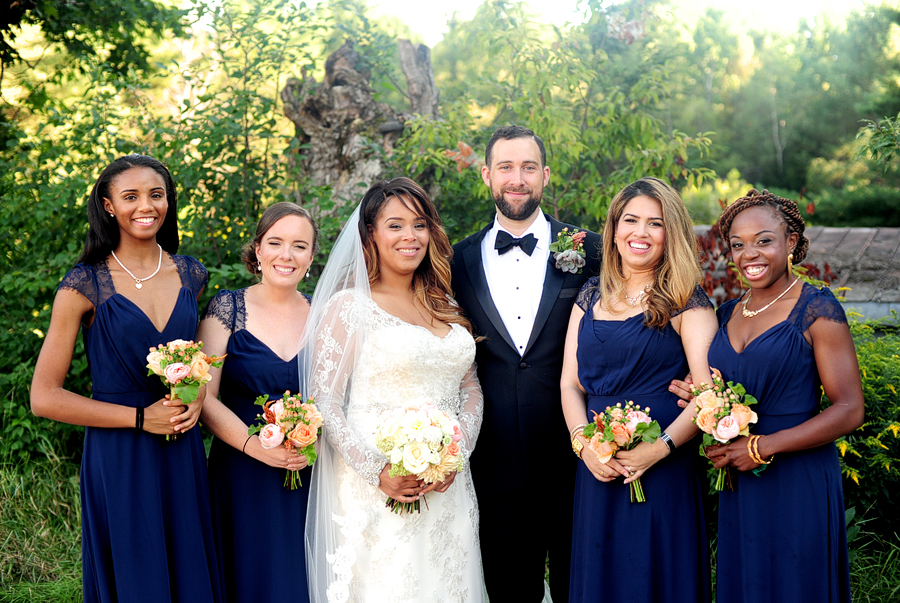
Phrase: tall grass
(40, 532)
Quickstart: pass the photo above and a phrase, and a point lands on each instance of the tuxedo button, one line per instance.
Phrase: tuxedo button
(523, 365)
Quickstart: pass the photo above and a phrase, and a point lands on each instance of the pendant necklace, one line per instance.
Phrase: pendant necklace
(751, 313)
(138, 281)
(633, 301)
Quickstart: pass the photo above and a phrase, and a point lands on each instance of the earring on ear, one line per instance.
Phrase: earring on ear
(258, 268)
(791, 262)
(112, 215)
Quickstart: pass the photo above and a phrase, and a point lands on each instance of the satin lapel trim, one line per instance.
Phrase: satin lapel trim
(472, 258)
(553, 283)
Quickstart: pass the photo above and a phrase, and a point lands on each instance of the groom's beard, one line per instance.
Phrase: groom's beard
(517, 212)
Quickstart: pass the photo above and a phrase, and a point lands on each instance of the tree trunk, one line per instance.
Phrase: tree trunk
(415, 62)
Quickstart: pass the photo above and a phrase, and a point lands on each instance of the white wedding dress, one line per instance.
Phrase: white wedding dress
(373, 554)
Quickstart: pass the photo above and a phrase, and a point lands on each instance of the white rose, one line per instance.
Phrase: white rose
(416, 457)
(396, 456)
(153, 362)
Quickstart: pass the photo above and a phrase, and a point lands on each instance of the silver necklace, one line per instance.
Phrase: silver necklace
(633, 301)
(751, 313)
(138, 281)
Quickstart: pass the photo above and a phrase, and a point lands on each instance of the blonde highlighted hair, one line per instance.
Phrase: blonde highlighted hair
(431, 281)
(678, 271)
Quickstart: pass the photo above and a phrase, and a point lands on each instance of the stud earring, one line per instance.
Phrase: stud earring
(112, 215)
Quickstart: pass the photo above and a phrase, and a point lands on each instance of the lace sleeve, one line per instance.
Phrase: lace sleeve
(698, 299)
(193, 274)
(471, 410)
(822, 304)
(334, 349)
(82, 278)
(222, 308)
(589, 294)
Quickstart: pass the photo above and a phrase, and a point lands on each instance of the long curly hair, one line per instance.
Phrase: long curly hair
(431, 280)
(786, 209)
(678, 271)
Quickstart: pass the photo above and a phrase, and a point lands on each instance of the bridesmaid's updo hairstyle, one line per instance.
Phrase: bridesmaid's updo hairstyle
(103, 229)
(431, 281)
(273, 213)
(678, 271)
(783, 208)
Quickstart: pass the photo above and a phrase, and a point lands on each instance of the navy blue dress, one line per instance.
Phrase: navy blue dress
(146, 529)
(258, 522)
(637, 552)
(781, 534)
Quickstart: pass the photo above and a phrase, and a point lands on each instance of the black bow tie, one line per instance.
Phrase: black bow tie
(506, 241)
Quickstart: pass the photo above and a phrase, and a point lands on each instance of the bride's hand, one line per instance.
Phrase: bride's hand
(404, 488)
(440, 486)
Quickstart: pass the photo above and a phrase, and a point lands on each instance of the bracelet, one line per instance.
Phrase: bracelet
(668, 440)
(576, 430)
(139, 418)
(755, 454)
(244, 447)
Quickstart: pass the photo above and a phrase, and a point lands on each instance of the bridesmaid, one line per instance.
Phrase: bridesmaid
(146, 530)
(781, 533)
(258, 522)
(644, 322)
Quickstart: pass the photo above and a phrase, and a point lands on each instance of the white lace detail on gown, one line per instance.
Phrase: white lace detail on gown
(381, 556)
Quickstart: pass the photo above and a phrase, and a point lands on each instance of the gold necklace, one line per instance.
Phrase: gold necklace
(633, 301)
(751, 313)
(138, 281)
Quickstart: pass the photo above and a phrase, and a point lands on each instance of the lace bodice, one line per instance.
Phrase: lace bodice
(228, 307)
(95, 282)
(397, 364)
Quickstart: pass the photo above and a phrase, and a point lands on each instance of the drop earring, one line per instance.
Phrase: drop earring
(791, 262)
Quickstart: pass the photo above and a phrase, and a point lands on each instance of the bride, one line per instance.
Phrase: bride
(384, 334)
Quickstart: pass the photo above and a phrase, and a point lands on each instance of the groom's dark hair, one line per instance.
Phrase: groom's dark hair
(511, 133)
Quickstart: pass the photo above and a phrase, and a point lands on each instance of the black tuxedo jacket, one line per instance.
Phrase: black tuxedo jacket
(524, 439)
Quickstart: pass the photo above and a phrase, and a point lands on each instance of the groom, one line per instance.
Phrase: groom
(506, 280)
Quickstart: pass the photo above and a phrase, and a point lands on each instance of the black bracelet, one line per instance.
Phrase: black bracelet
(244, 447)
(139, 419)
(668, 440)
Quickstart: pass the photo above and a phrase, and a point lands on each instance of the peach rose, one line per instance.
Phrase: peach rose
(706, 419)
(708, 399)
(604, 450)
(744, 416)
(620, 433)
(154, 359)
(616, 413)
(178, 344)
(200, 370)
(271, 436)
(278, 411)
(453, 449)
(726, 429)
(176, 371)
(302, 435)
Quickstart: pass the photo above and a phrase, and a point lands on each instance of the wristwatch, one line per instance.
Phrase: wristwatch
(577, 446)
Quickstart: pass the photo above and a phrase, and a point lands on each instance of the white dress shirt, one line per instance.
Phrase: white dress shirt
(516, 280)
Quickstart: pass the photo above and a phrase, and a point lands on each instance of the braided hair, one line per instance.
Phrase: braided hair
(785, 208)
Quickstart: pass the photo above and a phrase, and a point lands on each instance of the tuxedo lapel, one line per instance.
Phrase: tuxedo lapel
(553, 284)
(475, 269)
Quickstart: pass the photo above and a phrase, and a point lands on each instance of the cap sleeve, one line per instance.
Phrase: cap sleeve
(83, 279)
(589, 294)
(223, 307)
(821, 303)
(723, 312)
(698, 299)
(193, 274)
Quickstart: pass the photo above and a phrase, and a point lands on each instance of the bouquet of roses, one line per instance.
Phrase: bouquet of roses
(292, 423)
(419, 440)
(723, 413)
(183, 367)
(568, 250)
(621, 428)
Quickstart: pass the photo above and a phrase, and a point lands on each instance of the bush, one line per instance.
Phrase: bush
(870, 456)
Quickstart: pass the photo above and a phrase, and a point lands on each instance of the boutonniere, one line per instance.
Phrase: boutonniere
(568, 250)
